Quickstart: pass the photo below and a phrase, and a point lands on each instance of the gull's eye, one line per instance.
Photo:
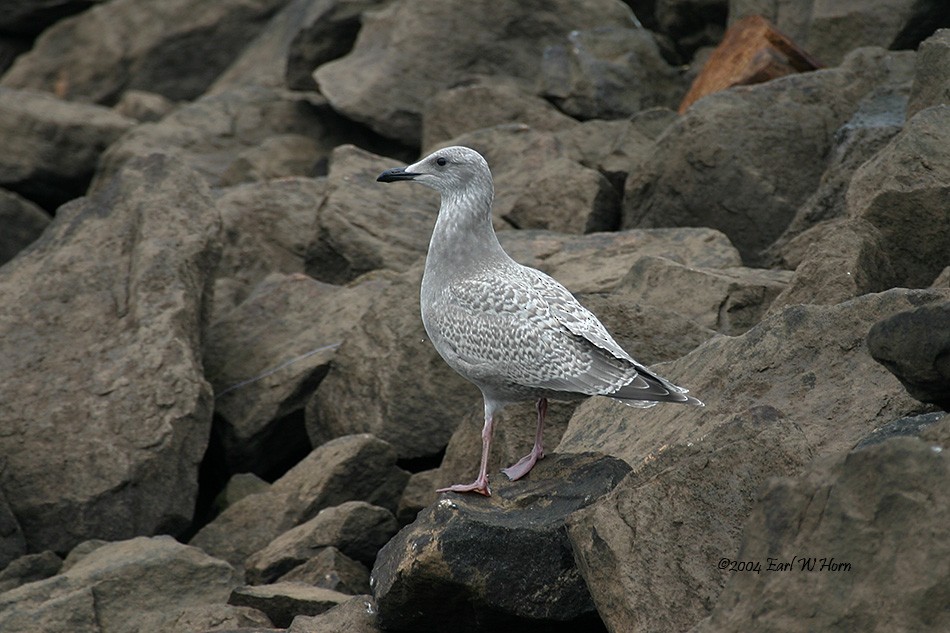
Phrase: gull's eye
(440, 161)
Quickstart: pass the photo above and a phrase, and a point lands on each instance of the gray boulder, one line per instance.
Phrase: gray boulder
(267, 228)
(486, 102)
(12, 541)
(175, 48)
(609, 73)
(904, 185)
(761, 148)
(301, 36)
(29, 568)
(915, 347)
(469, 563)
(226, 137)
(932, 77)
(727, 300)
(103, 403)
(908, 184)
(51, 146)
(599, 262)
(879, 117)
(837, 260)
(841, 529)
(142, 584)
(797, 387)
(394, 54)
(218, 617)
(266, 357)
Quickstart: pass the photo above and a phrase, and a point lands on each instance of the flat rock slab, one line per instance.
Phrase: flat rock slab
(356, 528)
(471, 562)
(283, 601)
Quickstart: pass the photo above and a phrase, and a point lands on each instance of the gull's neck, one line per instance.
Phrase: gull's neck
(463, 238)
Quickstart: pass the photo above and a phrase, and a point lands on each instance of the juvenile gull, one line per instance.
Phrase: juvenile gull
(513, 331)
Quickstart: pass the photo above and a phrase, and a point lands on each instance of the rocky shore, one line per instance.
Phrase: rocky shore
(218, 407)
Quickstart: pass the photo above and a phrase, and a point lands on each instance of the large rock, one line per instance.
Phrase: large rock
(879, 117)
(363, 225)
(615, 148)
(486, 102)
(907, 184)
(808, 362)
(174, 48)
(897, 232)
(393, 54)
(836, 260)
(354, 468)
(103, 403)
(762, 148)
(797, 387)
(51, 147)
(915, 346)
(29, 568)
(932, 76)
(608, 73)
(386, 379)
(268, 227)
(22, 223)
(222, 136)
(839, 537)
(727, 300)
(471, 563)
(638, 548)
(301, 36)
(266, 357)
(143, 584)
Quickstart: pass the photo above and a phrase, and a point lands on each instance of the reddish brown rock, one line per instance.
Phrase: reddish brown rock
(753, 51)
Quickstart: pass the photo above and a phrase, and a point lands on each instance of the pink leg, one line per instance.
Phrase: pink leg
(526, 463)
(480, 485)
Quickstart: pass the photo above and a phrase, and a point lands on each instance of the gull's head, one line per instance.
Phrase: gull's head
(450, 170)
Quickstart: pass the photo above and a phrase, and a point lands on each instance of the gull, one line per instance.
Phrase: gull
(513, 331)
